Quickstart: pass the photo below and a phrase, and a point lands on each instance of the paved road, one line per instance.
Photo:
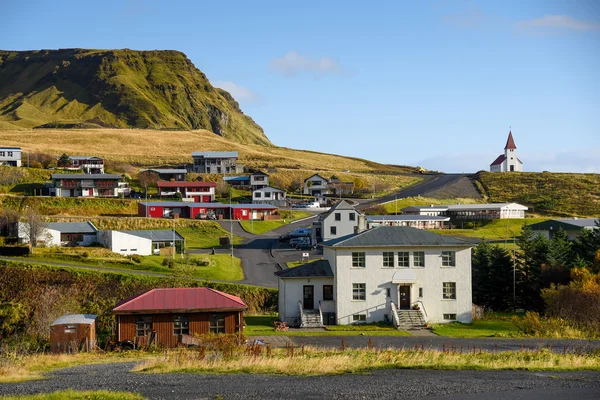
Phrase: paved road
(383, 384)
(429, 183)
(453, 344)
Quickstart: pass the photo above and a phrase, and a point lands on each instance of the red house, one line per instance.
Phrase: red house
(167, 209)
(170, 316)
(196, 191)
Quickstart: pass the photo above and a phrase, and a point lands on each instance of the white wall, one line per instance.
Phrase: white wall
(49, 237)
(291, 291)
(378, 278)
(125, 244)
(343, 227)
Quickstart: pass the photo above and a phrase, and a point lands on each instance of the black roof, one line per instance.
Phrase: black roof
(395, 236)
(319, 268)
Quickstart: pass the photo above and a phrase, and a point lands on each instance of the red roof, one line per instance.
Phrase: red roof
(185, 184)
(167, 300)
(510, 143)
(499, 160)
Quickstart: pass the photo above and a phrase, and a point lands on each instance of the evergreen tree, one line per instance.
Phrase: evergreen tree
(64, 160)
(492, 277)
(534, 255)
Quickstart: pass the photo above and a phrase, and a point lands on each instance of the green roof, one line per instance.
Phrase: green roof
(395, 236)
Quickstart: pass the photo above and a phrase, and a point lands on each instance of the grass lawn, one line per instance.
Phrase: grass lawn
(500, 325)
(259, 227)
(495, 230)
(292, 264)
(261, 325)
(70, 394)
(217, 266)
(197, 238)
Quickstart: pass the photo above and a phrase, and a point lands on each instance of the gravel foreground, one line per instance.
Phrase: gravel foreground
(384, 384)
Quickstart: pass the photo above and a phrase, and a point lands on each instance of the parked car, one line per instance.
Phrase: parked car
(135, 195)
(305, 246)
(298, 240)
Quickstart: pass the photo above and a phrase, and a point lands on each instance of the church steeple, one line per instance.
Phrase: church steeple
(510, 143)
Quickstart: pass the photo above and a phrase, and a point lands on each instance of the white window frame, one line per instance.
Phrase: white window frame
(359, 318)
(421, 257)
(359, 292)
(359, 259)
(448, 258)
(405, 257)
(387, 263)
(449, 290)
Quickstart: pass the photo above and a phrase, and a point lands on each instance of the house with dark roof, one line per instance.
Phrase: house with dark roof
(269, 195)
(169, 317)
(168, 174)
(316, 186)
(142, 242)
(572, 226)
(259, 180)
(507, 162)
(340, 220)
(399, 274)
(85, 185)
(470, 211)
(86, 164)
(203, 192)
(216, 162)
(414, 221)
(64, 234)
(10, 156)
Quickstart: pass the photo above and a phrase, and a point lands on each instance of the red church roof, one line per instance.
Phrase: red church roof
(168, 300)
(499, 160)
(510, 143)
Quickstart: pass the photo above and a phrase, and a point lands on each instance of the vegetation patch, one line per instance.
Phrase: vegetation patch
(493, 325)
(73, 206)
(79, 395)
(310, 361)
(545, 193)
(497, 229)
(260, 227)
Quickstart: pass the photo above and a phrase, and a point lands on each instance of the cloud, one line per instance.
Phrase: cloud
(238, 92)
(576, 160)
(293, 63)
(558, 22)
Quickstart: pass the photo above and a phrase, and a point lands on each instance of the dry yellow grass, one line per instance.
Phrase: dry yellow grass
(313, 361)
(151, 147)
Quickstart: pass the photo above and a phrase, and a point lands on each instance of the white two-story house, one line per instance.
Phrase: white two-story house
(342, 219)
(316, 186)
(269, 195)
(10, 156)
(380, 275)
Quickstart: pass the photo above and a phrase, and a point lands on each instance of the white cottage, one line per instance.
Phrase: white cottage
(403, 275)
(269, 195)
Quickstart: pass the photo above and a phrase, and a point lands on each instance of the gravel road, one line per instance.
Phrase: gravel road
(384, 384)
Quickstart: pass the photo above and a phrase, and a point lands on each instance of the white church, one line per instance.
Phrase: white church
(507, 162)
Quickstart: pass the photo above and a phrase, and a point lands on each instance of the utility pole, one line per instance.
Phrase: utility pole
(514, 272)
(230, 227)
(396, 203)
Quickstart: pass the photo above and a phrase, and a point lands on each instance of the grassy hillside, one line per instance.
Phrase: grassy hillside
(545, 192)
(116, 88)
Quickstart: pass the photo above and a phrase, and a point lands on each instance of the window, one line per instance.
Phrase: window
(352, 216)
(448, 259)
(403, 259)
(359, 291)
(420, 292)
(181, 325)
(10, 154)
(359, 318)
(257, 194)
(388, 292)
(70, 328)
(358, 260)
(449, 290)
(450, 317)
(327, 292)
(388, 259)
(2, 154)
(133, 250)
(333, 230)
(217, 323)
(267, 194)
(338, 216)
(418, 259)
(143, 325)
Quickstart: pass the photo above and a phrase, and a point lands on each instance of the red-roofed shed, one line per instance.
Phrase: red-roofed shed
(169, 314)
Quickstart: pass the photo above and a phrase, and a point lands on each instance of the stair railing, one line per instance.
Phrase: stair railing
(320, 313)
(395, 317)
(421, 307)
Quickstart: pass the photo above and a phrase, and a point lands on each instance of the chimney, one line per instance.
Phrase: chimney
(362, 224)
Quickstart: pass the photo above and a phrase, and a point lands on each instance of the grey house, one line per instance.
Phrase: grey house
(216, 162)
(342, 219)
(572, 227)
(10, 156)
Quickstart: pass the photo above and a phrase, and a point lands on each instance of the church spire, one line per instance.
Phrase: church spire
(510, 143)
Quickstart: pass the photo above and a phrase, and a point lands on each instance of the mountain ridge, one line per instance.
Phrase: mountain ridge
(147, 89)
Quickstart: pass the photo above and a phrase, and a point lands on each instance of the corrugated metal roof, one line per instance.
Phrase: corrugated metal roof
(167, 170)
(74, 319)
(340, 205)
(85, 176)
(406, 217)
(319, 268)
(10, 148)
(262, 189)
(185, 184)
(565, 224)
(384, 236)
(180, 300)
(253, 206)
(85, 158)
(236, 178)
(156, 235)
(182, 204)
(215, 154)
(462, 207)
(73, 227)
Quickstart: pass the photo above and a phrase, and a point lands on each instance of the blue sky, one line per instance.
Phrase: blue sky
(432, 83)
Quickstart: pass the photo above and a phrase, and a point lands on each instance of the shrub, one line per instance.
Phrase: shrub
(136, 258)
(168, 262)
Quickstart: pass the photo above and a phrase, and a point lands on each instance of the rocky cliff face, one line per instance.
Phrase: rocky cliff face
(117, 88)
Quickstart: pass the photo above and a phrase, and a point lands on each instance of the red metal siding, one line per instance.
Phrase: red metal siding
(84, 338)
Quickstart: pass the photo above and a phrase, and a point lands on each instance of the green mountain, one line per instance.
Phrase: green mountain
(116, 88)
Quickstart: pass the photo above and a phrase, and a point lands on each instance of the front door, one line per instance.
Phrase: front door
(309, 297)
(405, 297)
